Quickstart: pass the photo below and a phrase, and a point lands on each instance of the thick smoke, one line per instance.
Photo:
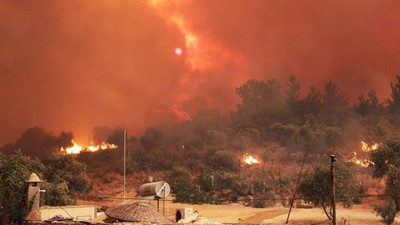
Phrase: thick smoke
(71, 65)
(352, 43)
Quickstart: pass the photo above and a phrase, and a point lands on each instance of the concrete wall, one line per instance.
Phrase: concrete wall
(75, 212)
(53, 223)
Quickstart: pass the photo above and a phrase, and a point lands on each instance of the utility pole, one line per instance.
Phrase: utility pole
(88, 144)
(333, 160)
(124, 163)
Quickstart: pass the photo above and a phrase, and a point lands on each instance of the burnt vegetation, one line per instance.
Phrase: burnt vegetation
(202, 157)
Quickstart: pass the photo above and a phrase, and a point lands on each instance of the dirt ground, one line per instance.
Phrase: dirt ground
(237, 213)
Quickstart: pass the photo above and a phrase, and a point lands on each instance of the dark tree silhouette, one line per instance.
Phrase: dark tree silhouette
(335, 105)
(292, 93)
(394, 101)
(368, 105)
(37, 142)
(260, 95)
(312, 104)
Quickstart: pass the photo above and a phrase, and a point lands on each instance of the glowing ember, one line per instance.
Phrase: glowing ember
(76, 149)
(178, 51)
(366, 148)
(248, 159)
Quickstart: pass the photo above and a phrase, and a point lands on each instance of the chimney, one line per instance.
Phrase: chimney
(34, 196)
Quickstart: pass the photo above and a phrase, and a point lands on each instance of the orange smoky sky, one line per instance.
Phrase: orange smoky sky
(71, 65)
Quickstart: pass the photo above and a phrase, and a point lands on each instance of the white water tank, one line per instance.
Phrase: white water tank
(160, 189)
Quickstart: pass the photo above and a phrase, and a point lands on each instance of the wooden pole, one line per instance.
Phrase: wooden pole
(333, 160)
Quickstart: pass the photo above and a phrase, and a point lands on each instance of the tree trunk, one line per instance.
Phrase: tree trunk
(326, 212)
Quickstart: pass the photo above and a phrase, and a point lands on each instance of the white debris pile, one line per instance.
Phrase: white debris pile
(196, 218)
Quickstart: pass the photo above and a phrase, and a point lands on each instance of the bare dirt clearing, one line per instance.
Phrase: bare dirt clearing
(237, 213)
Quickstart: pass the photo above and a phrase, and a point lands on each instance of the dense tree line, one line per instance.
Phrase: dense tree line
(268, 113)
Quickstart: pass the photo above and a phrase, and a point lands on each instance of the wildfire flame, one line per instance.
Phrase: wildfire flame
(363, 163)
(103, 146)
(76, 149)
(366, 148)
(248, 159)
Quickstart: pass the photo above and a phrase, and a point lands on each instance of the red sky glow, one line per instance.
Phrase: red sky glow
(70, 65)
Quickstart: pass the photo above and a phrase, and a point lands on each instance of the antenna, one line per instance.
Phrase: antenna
(89, 134)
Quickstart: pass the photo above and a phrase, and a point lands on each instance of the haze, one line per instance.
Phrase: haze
(72, 65)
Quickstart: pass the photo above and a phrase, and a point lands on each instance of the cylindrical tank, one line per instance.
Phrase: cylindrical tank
(160, 189)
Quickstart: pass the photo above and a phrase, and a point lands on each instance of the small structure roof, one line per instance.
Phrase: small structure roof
(33, 178)
(137, 212)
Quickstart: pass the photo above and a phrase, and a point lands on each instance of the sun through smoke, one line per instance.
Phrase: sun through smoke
(178, 51)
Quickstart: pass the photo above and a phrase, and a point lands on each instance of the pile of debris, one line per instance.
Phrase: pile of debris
(196, 218)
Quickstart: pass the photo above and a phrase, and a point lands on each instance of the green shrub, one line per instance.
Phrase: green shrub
(259, 203)
(14, 171)
(57, 194)
(224, 160)
(387, 211)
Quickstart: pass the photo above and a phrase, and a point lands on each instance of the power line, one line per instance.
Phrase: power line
(247, 200)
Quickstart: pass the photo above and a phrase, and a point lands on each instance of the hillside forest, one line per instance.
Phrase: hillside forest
(203, 158)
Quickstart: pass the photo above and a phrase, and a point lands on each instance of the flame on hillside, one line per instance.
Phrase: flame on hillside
(366, 148)
(103, 146)
(249, 160)
(363, 163)
(76, 149)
